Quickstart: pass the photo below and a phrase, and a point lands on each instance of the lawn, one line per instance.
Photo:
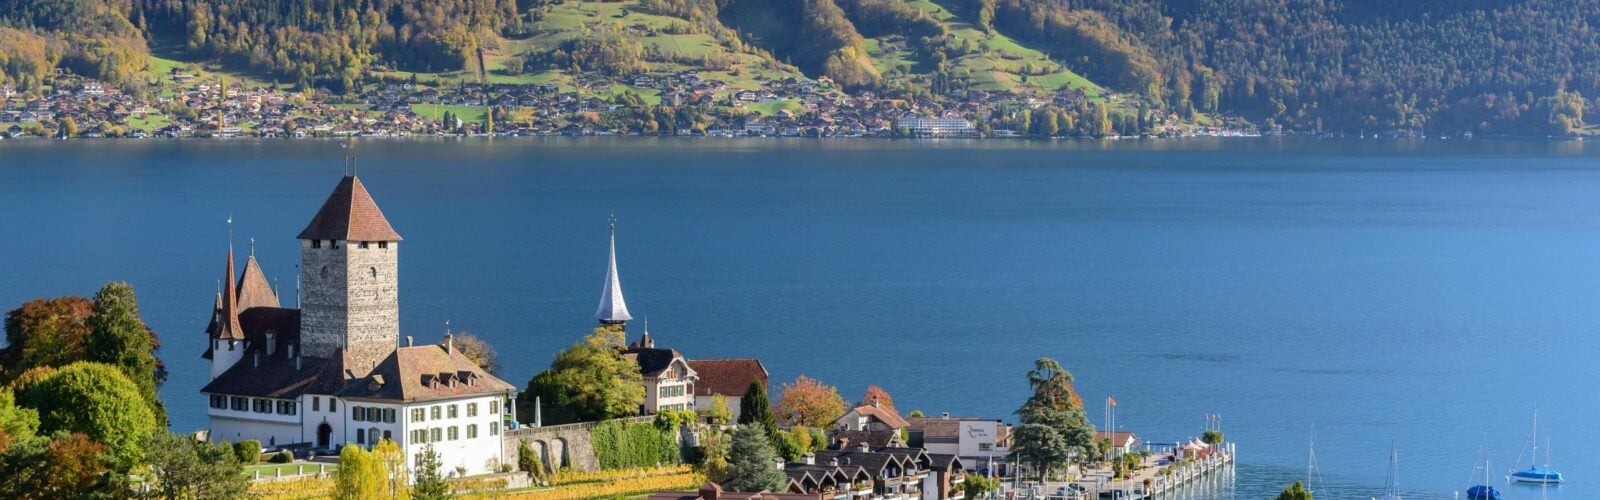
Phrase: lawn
(149, 122)
(770, 108)
(471, 114)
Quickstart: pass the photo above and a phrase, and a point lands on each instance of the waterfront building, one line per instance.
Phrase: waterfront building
(668, 379)
(978, 442)
(331, 371)
(936, 127)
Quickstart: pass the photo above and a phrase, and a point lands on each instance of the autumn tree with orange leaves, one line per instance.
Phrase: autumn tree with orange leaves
(808, 402)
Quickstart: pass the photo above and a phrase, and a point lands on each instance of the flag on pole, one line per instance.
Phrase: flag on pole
(1111, 401)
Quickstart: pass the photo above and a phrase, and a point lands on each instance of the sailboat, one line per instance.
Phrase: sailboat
(1391, 487)
(1483, 491)
(1535, 474)
(1313, 473)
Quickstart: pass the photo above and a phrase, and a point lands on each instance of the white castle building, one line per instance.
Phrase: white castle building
(333, 372)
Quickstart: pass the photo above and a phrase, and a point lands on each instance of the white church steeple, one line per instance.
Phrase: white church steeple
(613, 310)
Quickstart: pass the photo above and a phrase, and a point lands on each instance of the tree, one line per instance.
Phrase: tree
(1212, 437)
(478, 351)
(431, 484)
(714, 449)
(69, 128)
(1295, 491)
(18, 424)
(119, 337)
(43, 333)
(360, 474)
(810, 403)
(71, 466)
(185, 468)
(1053, 426)
(754, 409)
(97, 400)
(751, 456)
(719, 413)
(397, 483)
(976, 485)
(588, 381)
(877, 395)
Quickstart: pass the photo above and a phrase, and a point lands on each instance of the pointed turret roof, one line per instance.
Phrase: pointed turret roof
(351, 215)
(227, 317)
(254, 290)
(612, 310)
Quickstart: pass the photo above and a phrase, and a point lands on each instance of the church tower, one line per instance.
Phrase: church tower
(349, 276)
(613, 310)
(224, 332)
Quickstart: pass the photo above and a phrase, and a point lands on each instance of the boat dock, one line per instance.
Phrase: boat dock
(1209, 476)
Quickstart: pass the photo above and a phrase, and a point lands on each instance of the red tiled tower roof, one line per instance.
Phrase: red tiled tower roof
(227, 315)
(351, 215)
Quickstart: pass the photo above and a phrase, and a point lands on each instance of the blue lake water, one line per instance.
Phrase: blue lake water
(1427, 295)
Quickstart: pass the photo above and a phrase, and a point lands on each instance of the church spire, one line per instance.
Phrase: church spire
(613, 310)
(227, 319)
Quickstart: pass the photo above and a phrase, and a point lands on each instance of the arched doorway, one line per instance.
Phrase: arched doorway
(324, 433)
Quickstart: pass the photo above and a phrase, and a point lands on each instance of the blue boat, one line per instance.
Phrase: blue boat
(1482, 492)
(1536, 475)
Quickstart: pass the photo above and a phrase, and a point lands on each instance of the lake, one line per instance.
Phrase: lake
(1421, 294)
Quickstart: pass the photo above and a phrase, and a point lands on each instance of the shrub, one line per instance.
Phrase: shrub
(282, 457)
(248, 451)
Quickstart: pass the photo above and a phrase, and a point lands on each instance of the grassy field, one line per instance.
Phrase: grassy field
(149, 122)
(770, 108)
(436, 111)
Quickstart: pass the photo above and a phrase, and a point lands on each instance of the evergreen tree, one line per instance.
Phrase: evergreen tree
(1295, 491)
(185, 468)
(119, 337)
(753, 407)
(1053, 426)
(430, 484)
(752, 462)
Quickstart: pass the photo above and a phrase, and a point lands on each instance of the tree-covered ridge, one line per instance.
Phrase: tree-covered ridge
(95, 38)
(330, 42)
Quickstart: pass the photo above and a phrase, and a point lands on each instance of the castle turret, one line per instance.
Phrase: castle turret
(226, 336)
(613, 310)
(349, 273)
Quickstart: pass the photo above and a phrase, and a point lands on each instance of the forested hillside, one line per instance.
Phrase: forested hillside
(1451, 66)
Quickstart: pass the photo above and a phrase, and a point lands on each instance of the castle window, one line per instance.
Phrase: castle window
(472, 431)
(334, 244)
(383, 245)
(454, 433)
(332, 404)
(316, 403)
(494, 407)
(286, 408)
(434, 412)
(362, 245)
(372, 435)
(263, 406)
(361, 436)
(494, 428)
(433, 434)
(453, 411)
(324, 272)
(386, 435)
(388, 415)
(316, 243)
(373, 271)
(239, 403)
(219, 402)
(358, 413)
(418, 415)
(472, 409)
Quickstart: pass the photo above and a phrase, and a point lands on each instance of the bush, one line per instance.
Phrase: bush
(282, 457)
(248, 451)
(619, 444)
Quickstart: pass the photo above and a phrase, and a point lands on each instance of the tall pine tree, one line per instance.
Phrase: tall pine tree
(752, 462)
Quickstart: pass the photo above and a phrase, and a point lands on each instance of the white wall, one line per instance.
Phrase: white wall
(473, 454)
(226, 429)
(223, 357)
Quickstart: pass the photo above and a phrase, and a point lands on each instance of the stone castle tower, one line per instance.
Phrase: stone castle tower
(350, 280)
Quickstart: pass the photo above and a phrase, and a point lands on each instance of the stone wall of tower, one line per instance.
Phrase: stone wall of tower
(373, 281)
(350, 298)
(324, 303)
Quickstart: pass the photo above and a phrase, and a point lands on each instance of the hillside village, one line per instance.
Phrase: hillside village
(790, 107)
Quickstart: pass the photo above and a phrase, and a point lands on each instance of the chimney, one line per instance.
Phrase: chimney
(809, 459)
(295, 356)
(777, 463)
(409, 341)
(255, 360)
(863, 447)
(844, 444)
(944, 416)
(272, 347)
(449, 343)
(833, 462)
(710, 491)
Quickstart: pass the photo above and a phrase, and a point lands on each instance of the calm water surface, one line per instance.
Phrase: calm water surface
(1427, 295)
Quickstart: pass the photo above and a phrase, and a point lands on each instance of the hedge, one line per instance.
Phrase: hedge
(620, 444)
